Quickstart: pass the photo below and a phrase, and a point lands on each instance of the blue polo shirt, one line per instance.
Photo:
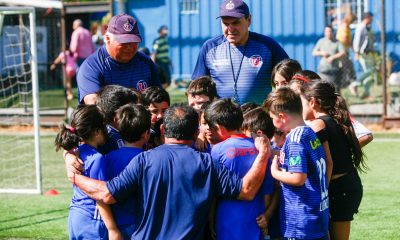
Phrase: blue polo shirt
(261, 54)
(236, 219)
(304, 210)
(116, 161)
(175, 186)
(99, 70)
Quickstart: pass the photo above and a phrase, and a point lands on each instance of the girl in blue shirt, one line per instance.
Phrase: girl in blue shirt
(88, 219)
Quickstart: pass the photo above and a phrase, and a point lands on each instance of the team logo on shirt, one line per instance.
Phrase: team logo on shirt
(256, 61)
(127, 26)
(141, 85)
(230, 5)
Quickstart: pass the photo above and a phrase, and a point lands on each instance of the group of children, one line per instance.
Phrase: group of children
(311, 186)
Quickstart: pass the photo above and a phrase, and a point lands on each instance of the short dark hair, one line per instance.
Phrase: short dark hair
(181, 122)
(247, 107)
(162, 27)
(85, 120)
(283, 100)
(367, 15)
(203, 86)
(258, 119)
(287, 68)
(224, 112)
(155, 95)
(133, 120)
(112, 97)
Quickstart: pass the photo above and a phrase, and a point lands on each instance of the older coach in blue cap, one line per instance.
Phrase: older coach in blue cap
(118, 62)
(239, 61)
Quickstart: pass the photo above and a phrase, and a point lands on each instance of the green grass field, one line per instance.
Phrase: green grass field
(45, 217)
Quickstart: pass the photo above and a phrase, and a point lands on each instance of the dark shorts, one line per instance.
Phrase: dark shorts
(345, 194)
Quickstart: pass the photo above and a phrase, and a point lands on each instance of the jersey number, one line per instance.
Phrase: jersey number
(322, 178)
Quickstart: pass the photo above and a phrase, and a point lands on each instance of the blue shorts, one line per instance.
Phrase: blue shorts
(83, 226)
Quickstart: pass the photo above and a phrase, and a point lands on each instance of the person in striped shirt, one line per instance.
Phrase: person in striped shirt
(304, 204)
(160, 55)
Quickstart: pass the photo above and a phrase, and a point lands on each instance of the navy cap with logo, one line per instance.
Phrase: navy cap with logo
(233, 8)
(124, 29)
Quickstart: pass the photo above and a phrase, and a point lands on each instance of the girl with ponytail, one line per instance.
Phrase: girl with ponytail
(87, 219)
(330, 115)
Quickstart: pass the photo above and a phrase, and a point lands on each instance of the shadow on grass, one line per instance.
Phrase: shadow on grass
(31, 215)
(33, 223)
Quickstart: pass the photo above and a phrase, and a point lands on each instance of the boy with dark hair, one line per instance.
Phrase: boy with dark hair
(133, 121)
(235, 219)
(157, 101)
(201, 90)
(257, 121)
(301, 170)
(109, 99)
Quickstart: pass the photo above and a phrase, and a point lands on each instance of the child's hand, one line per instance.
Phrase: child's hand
(274, 166)
(263, 224)
(262, 144)
(201, 143)
(115, 234)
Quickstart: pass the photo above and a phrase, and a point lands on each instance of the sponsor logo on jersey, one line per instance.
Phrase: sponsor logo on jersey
(141, 85)
(238, 152)
(256, 61)
(230, 5)
(314, 144)
(127, 26)
(295, 161)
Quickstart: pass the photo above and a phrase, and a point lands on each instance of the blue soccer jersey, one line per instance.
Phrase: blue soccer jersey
(99, 70)
(114, 141)
(116, 161)
(175, 186)
(237, 219)
(252, 66)
(304, 209)
(84, 221)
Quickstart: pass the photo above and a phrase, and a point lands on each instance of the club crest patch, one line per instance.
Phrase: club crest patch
(141, 85)
(256, 61)
(230, 5)
(127, 26)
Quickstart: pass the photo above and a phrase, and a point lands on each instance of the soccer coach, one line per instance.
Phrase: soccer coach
(174, 184)
(239, 61)
(117, 63)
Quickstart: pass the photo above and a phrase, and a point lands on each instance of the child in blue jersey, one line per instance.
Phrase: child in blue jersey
(157, 101)
(109, 99)
(257, 121)
(301, 170)
(133, 121)
(88, 219)
(235, 219)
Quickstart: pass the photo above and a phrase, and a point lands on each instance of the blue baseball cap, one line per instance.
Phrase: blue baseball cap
(233, 8)
(124, 28)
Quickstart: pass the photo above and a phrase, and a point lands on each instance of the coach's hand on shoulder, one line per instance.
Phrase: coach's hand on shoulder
(72, 163)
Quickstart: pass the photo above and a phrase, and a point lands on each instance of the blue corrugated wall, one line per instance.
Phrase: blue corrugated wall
(295, 24)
